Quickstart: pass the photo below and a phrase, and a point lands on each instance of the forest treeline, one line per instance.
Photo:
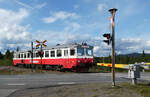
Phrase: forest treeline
(7, 58)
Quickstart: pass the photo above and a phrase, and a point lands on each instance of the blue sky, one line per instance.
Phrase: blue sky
(67, 21)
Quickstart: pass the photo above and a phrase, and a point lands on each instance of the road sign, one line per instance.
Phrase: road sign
(44, 45)
(44, 41)
(37, 41)
(37, 45)
(41, 43)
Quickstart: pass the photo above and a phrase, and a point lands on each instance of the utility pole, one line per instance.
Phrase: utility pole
(113, 11)
(32, 55)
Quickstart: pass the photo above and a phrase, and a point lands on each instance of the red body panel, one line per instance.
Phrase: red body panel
(65, 62)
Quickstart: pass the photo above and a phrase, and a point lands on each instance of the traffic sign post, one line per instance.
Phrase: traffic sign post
(113, 11)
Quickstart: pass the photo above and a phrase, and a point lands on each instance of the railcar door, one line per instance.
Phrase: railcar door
(66, 58)
(72, 57)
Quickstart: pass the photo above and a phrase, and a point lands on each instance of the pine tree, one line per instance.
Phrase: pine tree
(1, 55)
(143, 54)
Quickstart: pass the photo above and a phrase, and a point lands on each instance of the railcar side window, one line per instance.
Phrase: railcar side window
(46, 53)
(52, 53)
(72, 52)
(58, 53)
(28, 55)
(24, 55)
(65, 52)
(33, 55)
(21, 55)
(80, 51)
(37, 54)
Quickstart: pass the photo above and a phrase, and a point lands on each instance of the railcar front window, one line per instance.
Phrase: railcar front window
(80, 51)
(89, 52)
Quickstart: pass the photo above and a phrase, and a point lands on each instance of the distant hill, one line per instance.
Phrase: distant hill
(135, 54)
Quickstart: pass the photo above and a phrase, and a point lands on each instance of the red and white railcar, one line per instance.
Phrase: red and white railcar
(76, 57)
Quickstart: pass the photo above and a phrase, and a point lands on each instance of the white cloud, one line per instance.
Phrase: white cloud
(11, 32)
(61, 15)
(123, 46)
(72, 27)
(132, 45)
(49, 20)
(101, 7)
(9, 17)
(96, 48)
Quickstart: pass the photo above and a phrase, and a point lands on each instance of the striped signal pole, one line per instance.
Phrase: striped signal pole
(113, 11)
(32, 55)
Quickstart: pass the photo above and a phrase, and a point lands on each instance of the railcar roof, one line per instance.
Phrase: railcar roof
(60, 46)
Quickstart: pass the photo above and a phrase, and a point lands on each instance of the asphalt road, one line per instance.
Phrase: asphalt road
(11, 83)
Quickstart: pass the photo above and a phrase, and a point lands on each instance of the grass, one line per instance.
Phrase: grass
(8, 72)
(12, 70)
(90, 90)
(142, 88)
(96, 69)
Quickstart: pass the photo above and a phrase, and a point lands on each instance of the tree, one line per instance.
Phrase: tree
(1, 55)
(8, 54)
(18, 49)
(143, 54)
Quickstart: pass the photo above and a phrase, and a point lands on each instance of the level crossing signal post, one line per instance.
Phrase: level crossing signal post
(110, 38)
(41, 45)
